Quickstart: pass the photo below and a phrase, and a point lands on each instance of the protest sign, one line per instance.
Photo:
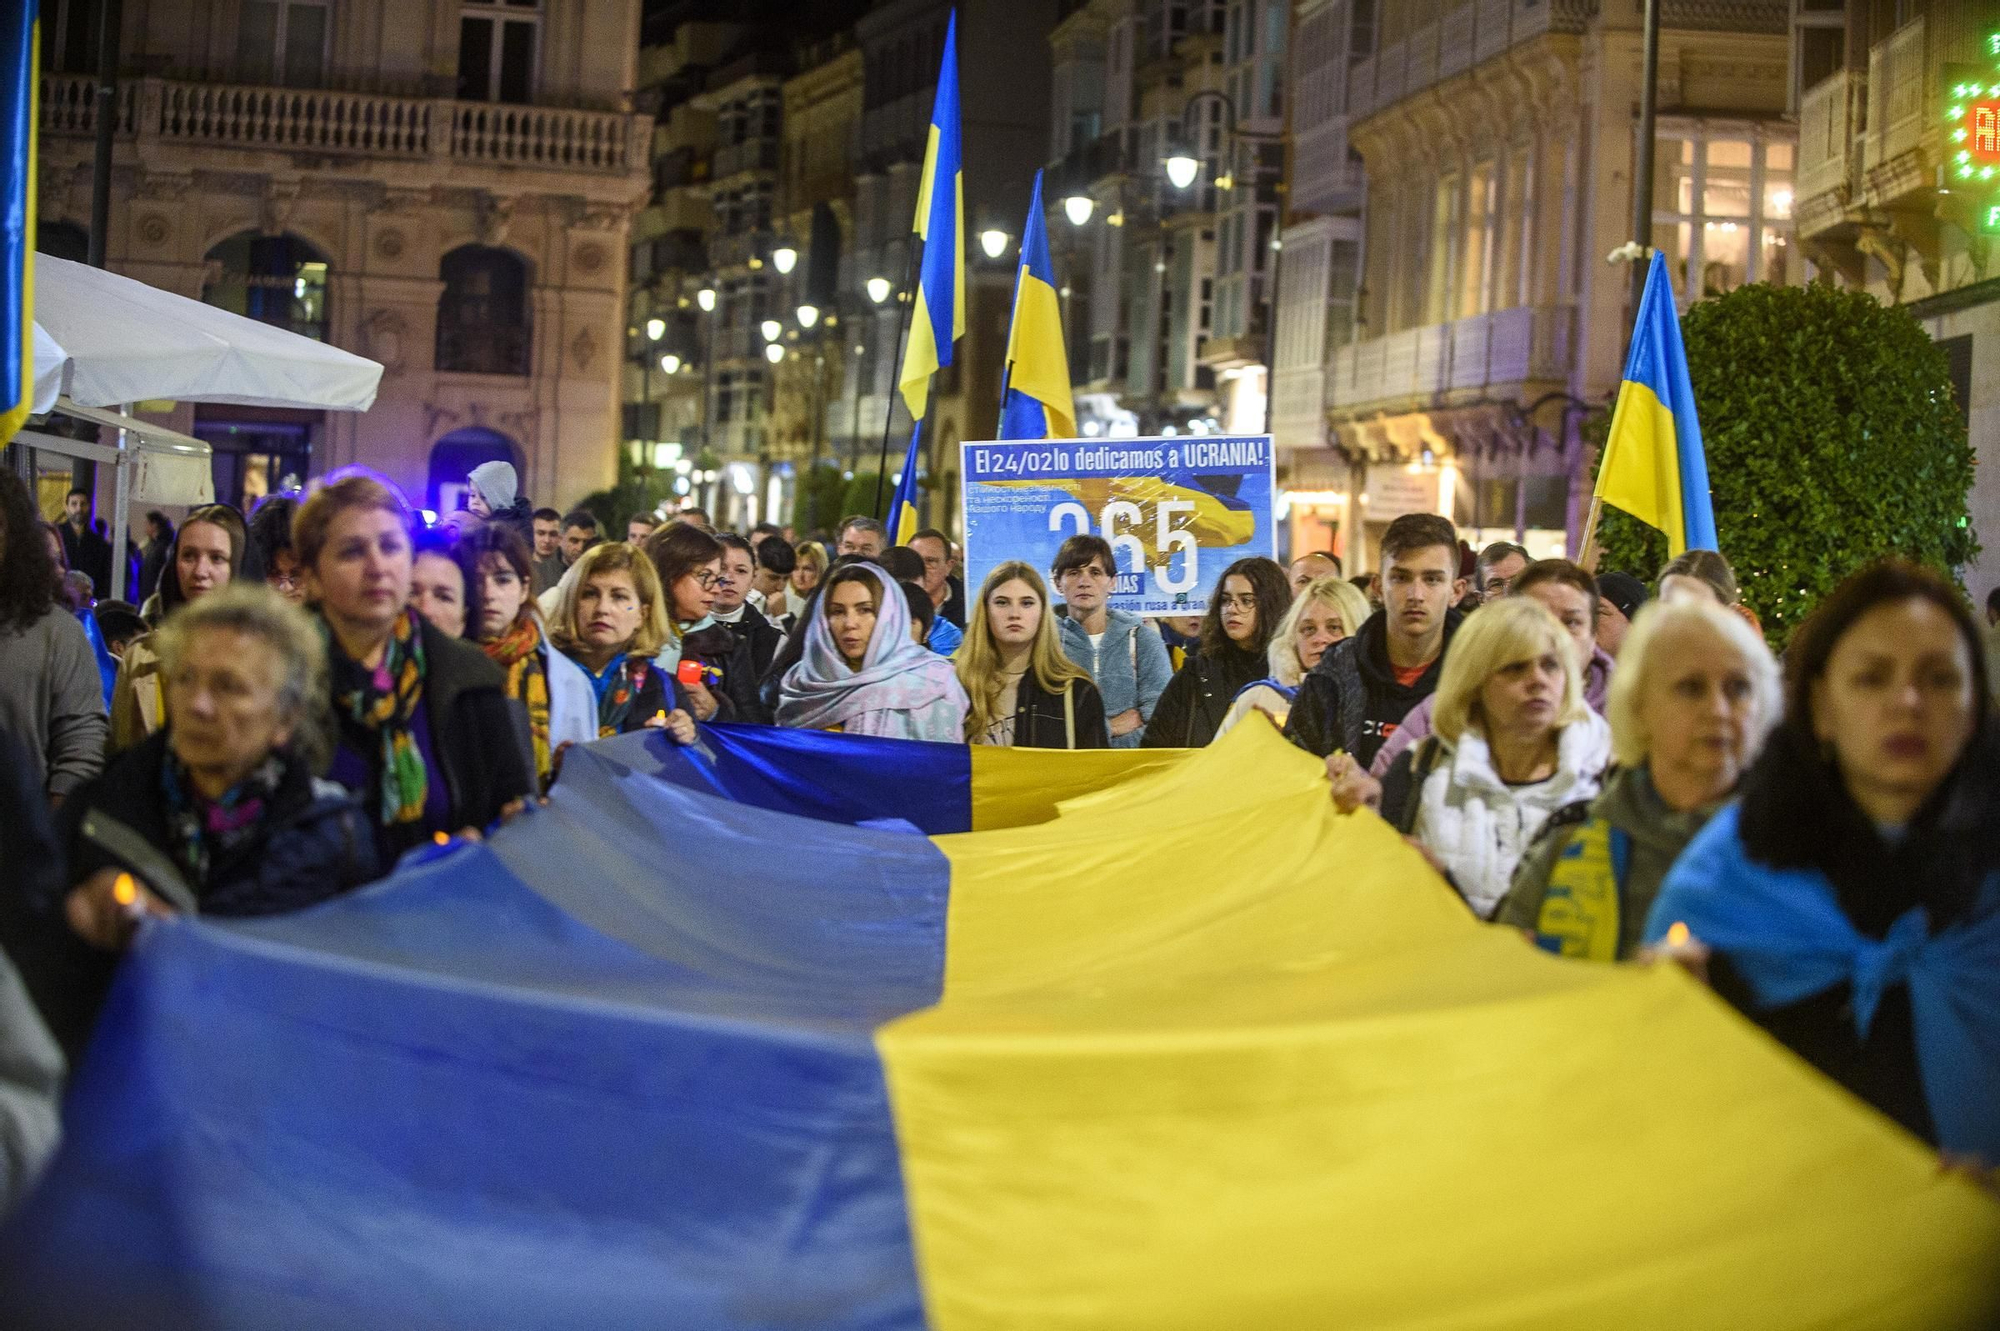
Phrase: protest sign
(1176, 511)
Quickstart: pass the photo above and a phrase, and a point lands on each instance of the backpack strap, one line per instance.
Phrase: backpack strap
(1069, 714)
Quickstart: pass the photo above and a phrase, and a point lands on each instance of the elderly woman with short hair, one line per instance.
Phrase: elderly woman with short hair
(1695, 694)
(220, 807)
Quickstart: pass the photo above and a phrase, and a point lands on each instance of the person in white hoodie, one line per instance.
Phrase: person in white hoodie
(1512, 741)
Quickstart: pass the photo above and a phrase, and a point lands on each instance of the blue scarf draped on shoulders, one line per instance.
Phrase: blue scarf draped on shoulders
(1785, 933)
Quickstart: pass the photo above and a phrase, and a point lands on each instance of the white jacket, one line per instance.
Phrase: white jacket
(1478, 826)
(572, 702)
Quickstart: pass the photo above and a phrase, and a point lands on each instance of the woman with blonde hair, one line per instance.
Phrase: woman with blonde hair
(1512, 741)
(1023, 691)
(611, 621)
(1694, 696)
(1325, 611)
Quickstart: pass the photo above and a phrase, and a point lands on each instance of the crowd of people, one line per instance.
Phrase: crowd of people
(1609, 763)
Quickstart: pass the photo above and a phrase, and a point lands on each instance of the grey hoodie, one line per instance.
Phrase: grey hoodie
(52, 700)
(1129, 667)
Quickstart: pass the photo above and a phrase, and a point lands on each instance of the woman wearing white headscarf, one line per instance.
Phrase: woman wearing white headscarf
(863, 674)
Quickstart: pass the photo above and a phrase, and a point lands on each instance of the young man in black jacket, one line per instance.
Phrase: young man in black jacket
(1363, 687)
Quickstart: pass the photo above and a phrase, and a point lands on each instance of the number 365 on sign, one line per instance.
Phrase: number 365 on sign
(1176, 510)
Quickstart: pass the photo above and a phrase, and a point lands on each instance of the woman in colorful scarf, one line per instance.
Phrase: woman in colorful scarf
(560, 702)
(863, 674)
(1850, 902)
(610, 622)
(219, 809)
(1325, 611)
(423, 731)
(1021, 690)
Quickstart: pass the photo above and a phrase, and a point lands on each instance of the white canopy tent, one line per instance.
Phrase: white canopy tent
(102, 340)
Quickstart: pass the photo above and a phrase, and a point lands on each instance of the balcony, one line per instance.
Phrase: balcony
(1507, 347)
(297, 120)
(1830, 121)
(1896, 119)
(1470, 32)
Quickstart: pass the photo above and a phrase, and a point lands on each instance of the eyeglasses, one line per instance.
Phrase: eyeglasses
(1232, 602)
(287, 582)
(704, 579)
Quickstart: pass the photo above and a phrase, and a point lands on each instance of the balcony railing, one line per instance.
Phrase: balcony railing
(1895, 96)
(362, 124)
(1515, 346)
(1830, 121)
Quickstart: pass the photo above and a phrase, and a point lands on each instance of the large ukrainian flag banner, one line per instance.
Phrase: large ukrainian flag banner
(1653, 465)
(938, 319)
(804, 1030)
(1037, 403)
(20, 47)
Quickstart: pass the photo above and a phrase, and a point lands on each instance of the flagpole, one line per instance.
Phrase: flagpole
(908, 295)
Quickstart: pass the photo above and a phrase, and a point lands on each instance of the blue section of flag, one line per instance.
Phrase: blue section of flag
(17, 196)
(613, 1068)
(902, 518)
(1658, 360)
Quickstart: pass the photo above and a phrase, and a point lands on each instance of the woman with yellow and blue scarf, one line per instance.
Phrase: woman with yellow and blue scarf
(423, 732)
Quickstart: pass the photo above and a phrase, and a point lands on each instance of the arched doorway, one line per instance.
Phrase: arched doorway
(278, 280)
(455, 455)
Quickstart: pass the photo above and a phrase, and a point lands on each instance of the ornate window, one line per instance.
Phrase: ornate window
(1722, 207)
(282, 42)
(482, 321)
(496, 50)
(278, 280)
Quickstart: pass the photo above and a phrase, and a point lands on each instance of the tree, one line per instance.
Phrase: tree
(1832, 439)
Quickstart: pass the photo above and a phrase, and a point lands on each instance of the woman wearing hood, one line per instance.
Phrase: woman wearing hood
(863, 674)
(207, 554)
(1513, 741)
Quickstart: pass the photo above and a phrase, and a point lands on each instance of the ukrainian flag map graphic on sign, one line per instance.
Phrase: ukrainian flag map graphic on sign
(805, 1030)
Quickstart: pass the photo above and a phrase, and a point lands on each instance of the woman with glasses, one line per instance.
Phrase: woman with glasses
(1326, 610)
(1248, 603)
(268, 554)
(689, 563)
(1512, 741)
(1022, 691)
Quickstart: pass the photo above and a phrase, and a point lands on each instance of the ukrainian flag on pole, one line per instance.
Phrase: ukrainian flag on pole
(939, 317)
(902, 521)
(19, 49)
(1653, 465)
(1037, 402)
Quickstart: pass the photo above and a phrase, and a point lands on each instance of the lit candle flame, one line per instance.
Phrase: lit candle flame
(440, 838)
(1677, 934)
(124, 891)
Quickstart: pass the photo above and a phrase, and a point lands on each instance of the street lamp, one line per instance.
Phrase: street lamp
(784, 259)
(1077, 207)
(771, 328)
(670, 363)
(706, 299)
(994, 241)
(1182, 169)
(774, 352)
(655, 329)
(808, 315)
(878, 289)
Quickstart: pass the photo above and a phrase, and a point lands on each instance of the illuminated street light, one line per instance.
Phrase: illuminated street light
(1077, 208)
(670, 363)
(994, 242)
(774, 352)
(808, 315)
(784, 258)
(1182, 169)
(878, 289)
(706, 299)
(771, 329)
(655, 329)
